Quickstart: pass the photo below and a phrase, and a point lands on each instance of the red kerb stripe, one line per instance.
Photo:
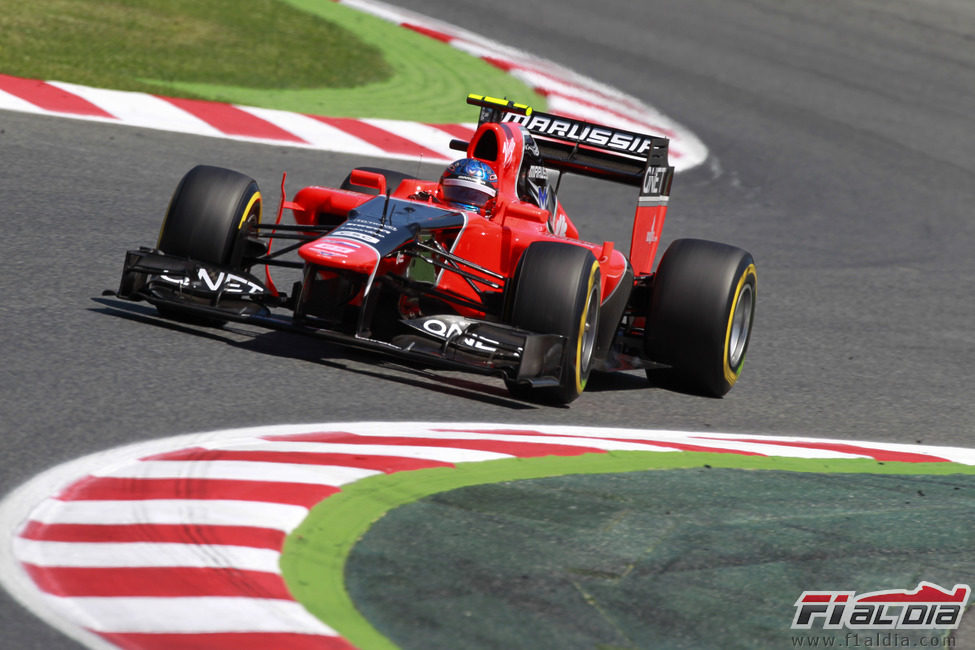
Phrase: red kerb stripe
(649, 443)
(107, 488)
(508, 65)
(157, 582)
(203, 535)
(50, 98)
(426, 31)
(232, 120)
(651, 128)
(377, 137)
(501, 64)
(871, 452)
(227, 641)
(387, 464)
(519, 449)
(457, 130)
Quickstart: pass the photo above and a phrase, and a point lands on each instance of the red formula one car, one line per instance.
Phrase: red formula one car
(480, 270)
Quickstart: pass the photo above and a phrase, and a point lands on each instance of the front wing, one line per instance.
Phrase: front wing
(213, 294)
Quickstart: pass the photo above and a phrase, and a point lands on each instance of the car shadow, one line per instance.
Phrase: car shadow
(667, 379)
(654, 378)
(295, 346)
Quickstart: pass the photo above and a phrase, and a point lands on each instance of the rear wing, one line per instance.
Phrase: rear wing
(572, 145)
(595, 150)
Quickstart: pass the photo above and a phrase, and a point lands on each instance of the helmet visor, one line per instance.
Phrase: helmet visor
(464, 192)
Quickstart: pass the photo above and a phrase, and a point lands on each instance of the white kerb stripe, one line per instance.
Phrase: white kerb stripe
(529, 437)
(140, 109)
(209, 614)
(315, 132)
(241, 470)
(379, 10)
(145, 554)
(15, 103)
(594, 437)
(172, 511)
(422, 134)
(442, 454)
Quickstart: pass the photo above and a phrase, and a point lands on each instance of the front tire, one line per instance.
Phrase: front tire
(212, 214)
(212, 218)
(701, 311)
(557, 291)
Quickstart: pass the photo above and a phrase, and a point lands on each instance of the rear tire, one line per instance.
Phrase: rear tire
(557, 291)
(701, 311)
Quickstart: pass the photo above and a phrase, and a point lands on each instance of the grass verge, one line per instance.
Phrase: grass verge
(307, 56)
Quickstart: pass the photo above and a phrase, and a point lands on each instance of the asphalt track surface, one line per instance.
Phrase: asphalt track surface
(842, 159)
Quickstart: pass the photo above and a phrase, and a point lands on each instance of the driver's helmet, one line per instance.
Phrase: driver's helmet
(469, 183)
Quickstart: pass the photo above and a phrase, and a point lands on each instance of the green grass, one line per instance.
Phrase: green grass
(139, 45)
(309, 56)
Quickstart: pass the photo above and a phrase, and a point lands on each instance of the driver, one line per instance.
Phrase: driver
(469, 184)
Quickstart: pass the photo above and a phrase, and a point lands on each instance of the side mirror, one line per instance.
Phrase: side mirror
(372, 180)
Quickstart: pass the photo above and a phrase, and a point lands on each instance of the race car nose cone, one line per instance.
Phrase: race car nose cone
(341, 252)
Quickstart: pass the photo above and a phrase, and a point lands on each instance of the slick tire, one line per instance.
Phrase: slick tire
(211, 215)
(700, 315)
(557, 291)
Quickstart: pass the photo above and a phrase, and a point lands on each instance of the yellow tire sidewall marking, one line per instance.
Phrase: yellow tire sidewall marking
(731, 374)
(255, 198)
(580, 382)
